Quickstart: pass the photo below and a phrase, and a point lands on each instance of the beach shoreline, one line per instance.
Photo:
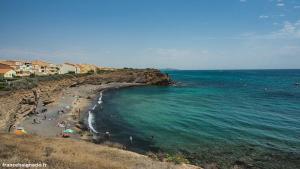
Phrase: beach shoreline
(26, 100)
(70, 109)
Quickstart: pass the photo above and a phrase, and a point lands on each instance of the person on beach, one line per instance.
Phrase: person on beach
(45, 117)
(107, 135)
(35, 121)
(61, 125)
(130, 139)
(67, 125)
(44, 110)
(10, 127)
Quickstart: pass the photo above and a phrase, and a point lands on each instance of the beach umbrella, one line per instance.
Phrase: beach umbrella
(69, 131)
(20, 131)
(65, 135)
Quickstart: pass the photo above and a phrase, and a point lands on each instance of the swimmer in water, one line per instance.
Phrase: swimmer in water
(130, 139)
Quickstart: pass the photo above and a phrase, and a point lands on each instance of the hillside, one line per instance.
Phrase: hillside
(61, 153)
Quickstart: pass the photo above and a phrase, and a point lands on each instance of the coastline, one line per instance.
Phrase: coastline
(23, 100)
(72, 107)
(42, 110)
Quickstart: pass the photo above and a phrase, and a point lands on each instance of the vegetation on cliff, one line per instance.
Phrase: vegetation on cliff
(148, 76)
(60, 153)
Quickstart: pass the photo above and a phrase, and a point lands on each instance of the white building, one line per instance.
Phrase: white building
(20, 67)
(69, 68)
(52, 69)
(6, 71)
(26, 67)
(40, 67)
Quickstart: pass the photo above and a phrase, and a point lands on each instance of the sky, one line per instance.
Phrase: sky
(182, 34)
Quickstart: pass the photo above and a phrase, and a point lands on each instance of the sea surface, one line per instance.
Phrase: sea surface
(249, 118)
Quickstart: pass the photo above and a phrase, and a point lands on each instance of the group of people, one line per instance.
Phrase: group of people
(36, 120)
(62, 124)
(59, 112)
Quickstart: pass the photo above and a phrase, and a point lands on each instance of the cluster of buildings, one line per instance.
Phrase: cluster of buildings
(16, 68)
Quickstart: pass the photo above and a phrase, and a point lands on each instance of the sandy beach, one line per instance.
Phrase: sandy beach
(71, 106)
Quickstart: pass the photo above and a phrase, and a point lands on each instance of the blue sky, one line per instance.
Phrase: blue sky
(184, 34)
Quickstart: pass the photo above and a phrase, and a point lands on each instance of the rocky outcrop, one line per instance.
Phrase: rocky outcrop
(155, 77)
(144, 76)
(14, 106)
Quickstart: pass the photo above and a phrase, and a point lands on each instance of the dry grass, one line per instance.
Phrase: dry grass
(59, 153)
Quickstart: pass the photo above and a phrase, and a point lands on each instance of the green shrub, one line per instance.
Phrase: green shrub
(91, 72)
(176, 158)
(71, 72)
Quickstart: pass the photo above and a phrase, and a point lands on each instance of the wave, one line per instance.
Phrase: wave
(90, 122)
(100, 99)
(91, 116)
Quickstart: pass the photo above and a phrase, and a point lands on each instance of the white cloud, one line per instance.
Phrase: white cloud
(289, 30)
(263, 17)
(280, 4)
(243, 0)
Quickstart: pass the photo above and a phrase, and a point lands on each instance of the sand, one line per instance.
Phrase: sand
(71, 104)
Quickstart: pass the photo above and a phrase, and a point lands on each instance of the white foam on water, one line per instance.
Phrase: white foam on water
(91, 116)
(90, 121)
(100, 98)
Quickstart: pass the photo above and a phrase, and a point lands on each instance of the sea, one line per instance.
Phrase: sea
(249, 118)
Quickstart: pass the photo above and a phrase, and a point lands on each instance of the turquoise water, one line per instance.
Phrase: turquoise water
(250, 117)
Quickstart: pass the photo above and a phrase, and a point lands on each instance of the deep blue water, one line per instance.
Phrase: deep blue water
(249, 117)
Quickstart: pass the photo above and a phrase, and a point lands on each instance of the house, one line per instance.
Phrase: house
(86, 68)
(39, 67)
(44, 68)
(69, 68)
(20, 67)
(6, 71)
(25, 69)
(52, 69)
